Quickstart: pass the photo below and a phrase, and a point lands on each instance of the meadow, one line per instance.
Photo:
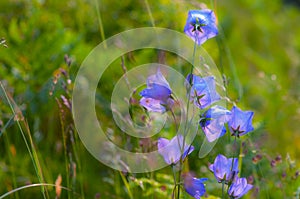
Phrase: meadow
(43, 45)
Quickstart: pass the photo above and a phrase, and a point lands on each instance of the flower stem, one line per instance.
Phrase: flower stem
(223, 182)
(174, 118)
(187, 113)
(175, 182)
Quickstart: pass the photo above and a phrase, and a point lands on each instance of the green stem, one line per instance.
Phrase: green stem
(7, 143)
(30, 148)
(100, 24)
(149, 13)
(223, 183)
(174, 178)
(187, 113)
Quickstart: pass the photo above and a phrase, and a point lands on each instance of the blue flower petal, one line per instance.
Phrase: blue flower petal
(239, 188)
(224, 169)
(212, 122)
(171, 150)
(240, 122)
(201, 25)
(203, 91)
(194, 186)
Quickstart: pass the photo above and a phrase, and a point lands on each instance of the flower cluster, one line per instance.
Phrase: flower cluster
(214, 120)
(226, 171)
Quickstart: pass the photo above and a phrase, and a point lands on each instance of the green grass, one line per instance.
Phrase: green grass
(258, 52)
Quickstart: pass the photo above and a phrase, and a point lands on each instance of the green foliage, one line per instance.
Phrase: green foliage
(258, 51)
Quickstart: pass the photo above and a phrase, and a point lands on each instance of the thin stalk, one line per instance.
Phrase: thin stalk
(31, 149)
(232, 66)
(33, 185)
(125, 72)
(67, 164)
(76, 149)
(187, 113)
(7, 143)
(149, 13)
(117, 183)
(175, 181)
(126, 185)
(233, 156)
(174, 118)
(223, 183)
(101, 29)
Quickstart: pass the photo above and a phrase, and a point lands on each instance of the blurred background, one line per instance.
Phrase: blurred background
(44, 43)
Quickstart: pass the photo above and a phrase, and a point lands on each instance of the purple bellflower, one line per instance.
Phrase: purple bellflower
(212, 122)
(239, 188)
(171, 150)
(240, 122)
(194, 186)
(224, 169)
(203, 90)
(201, 25)
(157, 96)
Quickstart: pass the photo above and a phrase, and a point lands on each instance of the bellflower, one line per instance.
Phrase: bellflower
(157, 96)
(203, 90)
(201, 25)
(171, 150)
(239, 188)
(212, 122)
(194, 186)
(224, 169)
(156, 105)
(240, 122)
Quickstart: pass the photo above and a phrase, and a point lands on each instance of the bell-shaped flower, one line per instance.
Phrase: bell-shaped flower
(212, 122)
(240, 122)
(156, 105)
(157, 96)
(194, 186)
(203, 91)
(201, 25)
(239, 188)
(173, 149)
(224, 169)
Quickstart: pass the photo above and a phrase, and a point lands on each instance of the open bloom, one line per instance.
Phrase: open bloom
(194, 186)
(171, 150)
(239, 188)
(212, 122)
(224, 169)
(157, 96)
(240, 122)
(201, 25)
(203, 90)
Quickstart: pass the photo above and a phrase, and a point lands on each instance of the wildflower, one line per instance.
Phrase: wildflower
(240, 122)
(157, 96)
(203, 90)
(201, 25)
(156, 105)
(171, 150)
(239, 188)
(224, 169)
(212, 122)
(194, 186)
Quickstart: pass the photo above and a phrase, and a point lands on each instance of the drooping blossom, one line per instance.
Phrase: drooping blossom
(203, 91)
(194, 186)
(173, 149)
(224, 169)
(240, 122)
(201, 25)
(157, 96)
(239, 187)
(212, 122)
